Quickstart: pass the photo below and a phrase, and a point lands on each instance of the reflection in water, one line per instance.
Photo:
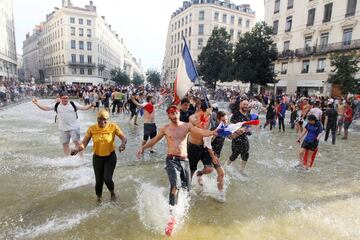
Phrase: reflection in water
(45, 195)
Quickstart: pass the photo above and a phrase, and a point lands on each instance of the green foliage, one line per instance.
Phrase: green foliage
(215, 59)
(343, 74)
(253, 56)
(153, 77)
(120, 77)
(137, 80)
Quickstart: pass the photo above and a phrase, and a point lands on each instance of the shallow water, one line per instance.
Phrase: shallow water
(44, 195)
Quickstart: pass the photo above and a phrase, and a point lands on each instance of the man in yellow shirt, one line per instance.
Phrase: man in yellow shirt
(104, 158)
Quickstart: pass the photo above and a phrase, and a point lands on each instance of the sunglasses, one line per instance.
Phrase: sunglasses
(102, 119)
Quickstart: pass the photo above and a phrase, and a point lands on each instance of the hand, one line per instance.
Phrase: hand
(93, 104)
(241, 131)
(298, 140)
(73, 152)
(215, 160)
(215, 132)
(140, 153)
(34, 101)
(122, 147)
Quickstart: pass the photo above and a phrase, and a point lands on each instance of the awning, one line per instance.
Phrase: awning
(310, 83)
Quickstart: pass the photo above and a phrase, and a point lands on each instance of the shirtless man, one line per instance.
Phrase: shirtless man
(150, 129)
(177, 163)
(197, 151)
(304, 112)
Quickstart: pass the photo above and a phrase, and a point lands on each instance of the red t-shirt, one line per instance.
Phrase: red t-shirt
(349, 114)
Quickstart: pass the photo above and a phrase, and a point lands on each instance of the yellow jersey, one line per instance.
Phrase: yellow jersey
(103, 138)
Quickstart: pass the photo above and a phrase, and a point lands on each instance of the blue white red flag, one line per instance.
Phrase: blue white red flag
(186, 74)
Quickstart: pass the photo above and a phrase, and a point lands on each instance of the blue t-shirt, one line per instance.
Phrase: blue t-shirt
(313, 131)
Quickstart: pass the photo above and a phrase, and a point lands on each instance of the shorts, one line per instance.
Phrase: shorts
(178, 172)
(240, 147)
(149, 131)
(198, 153)
(106, 104)
(340, 121)
(347, 125)
(310, 146)
(97, 104)
(133, 112)
(65, 136)
(121, 103)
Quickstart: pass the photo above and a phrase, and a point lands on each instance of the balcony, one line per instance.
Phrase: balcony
(320, 70)
(304, 52)
(283, 72)
(285, 54)
(101, 66)
(82, 64)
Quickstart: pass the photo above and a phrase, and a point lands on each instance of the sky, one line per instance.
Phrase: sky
(143, 24)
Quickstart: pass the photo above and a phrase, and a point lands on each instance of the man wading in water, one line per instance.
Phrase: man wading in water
(177, 163)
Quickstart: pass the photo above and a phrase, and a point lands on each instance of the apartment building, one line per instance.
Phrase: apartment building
(195, 21)
(306, 34)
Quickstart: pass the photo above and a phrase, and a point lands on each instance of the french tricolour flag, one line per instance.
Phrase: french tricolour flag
(186, 74)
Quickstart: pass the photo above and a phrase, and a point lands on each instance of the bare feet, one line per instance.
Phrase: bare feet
(113, 197)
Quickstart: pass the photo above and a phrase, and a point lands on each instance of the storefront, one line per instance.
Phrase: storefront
(281, 87)
(310, 87)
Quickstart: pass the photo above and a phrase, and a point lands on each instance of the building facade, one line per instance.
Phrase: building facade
(195, 21)
(8, 69)
(76, 45)
(306, 34)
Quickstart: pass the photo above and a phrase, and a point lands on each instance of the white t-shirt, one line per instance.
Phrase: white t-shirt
(317, 112)
(66, 117)
(2, 89)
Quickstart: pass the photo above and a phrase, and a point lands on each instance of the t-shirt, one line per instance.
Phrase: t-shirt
(184, 116)
(332, 116)
(239, 117)
(66, 117)
(317, 112)
(348, 112)
(217, 144)
(256, 107)
(103, 138)
(313, 131)
(2, 89)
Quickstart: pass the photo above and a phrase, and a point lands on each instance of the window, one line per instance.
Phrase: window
(238, 35)
(305, 66)
(88, 44)
(73, 70)
(200, 43)
(247, 23)
(88, 22)
(307, 42)
(186, 31)
(89, 71)
(72, 20)
(277, 6)
(324, 40)
(88, 32)
(73, 58)
(81, 21)
(347, 36)
(240, 22)
(81, 32)
(189, 31)
(72, 31)
(82, 71)
(216, 16)
(178, 36)
(327, 12)
(186, 19)
(231, 33)
(182, 22)
(232, 19)
(81, 45)
(190, 16)
(201, 29)
(288, 24)
(290, 4)
(311, 17)
(89, 59)
(275, 27)
(284, 68)
(224, 19)
(81, 58)
(351, 8)
(286, 45)
(321, 65)
(201, 15)
(73, 44)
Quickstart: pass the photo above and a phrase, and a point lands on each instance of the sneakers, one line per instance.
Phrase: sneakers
(221, 197)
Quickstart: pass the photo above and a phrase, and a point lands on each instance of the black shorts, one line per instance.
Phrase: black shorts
(121, 103)
(97, 104)
(178, 172)
(310, 146)
(106, 104)
(347, 125)
(240, 147)
(133, 112)
(149, 131)
(198, 153)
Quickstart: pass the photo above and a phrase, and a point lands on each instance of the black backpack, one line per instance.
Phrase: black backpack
(72, 104)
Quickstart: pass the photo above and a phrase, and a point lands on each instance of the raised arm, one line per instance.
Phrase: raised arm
(161, 102)
(87, 107)
(42, 107)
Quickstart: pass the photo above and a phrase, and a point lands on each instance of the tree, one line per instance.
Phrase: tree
(215, 58)
(153, 77)
(253, 56)
(343, 74)
(120, 77)
(137, 80)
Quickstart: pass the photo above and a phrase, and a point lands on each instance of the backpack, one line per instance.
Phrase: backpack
(72, 104)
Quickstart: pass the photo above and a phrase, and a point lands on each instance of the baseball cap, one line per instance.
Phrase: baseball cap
(103, 114)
